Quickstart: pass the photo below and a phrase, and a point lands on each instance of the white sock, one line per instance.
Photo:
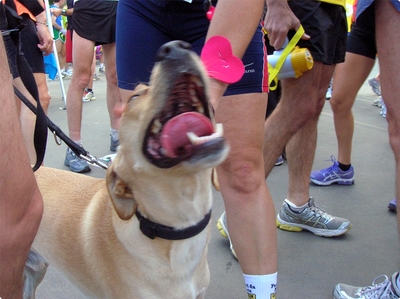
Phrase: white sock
(114, 134)
(294, 206)
(261, 286)
(79, 142)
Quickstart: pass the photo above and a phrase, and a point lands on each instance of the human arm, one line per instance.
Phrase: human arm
(21, 204)
(279, 19)
(225, 23)
(58, 11)
(45, 39)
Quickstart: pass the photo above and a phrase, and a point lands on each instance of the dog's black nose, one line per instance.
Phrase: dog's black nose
(173, 50)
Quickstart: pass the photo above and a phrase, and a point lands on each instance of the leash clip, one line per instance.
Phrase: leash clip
(92, 160)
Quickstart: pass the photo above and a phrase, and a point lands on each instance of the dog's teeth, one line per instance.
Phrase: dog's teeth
(196, 140)
(218, 130)
(193, 95)
(193, 138)
(156, 126)
(198, 82)
(200, 109)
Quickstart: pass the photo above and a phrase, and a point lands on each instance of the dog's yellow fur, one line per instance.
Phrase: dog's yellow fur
(89, 230)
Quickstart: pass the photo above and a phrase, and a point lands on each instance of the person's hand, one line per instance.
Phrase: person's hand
(63, 31)
(45, 39)
(56, 11)
(278, 21)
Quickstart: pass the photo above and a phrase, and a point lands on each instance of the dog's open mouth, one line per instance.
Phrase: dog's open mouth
(184, 127)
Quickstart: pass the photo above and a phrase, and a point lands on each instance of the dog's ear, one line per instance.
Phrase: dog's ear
(121, 195)
(214, 179)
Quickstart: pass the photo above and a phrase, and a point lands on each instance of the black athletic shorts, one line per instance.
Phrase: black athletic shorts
(29, 42)
(95, 20)
(327, 25)
(361, 38)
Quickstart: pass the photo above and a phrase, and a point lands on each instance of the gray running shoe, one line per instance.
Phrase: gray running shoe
(382, 288)
(311, 218)
(375, 85)
(75, 163)
(378, 102)
(223, 230)
(383, 109)
(114, 145)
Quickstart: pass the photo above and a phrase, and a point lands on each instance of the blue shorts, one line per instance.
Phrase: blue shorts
(143, 26)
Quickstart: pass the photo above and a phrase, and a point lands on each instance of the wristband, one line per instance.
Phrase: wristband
(64, 12)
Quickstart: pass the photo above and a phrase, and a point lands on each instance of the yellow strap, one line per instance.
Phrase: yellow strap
(273, 71)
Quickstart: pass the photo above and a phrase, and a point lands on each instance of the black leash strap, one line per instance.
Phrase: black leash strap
(46, 122)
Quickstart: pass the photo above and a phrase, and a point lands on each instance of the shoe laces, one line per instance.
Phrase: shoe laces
(380, 290)
(332, 168)
(317, 211)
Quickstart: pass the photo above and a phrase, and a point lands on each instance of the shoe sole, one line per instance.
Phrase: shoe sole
(318, 232)
(337, 295)
(224, 232)
(221, 229)
(338, 181)
(88, 100)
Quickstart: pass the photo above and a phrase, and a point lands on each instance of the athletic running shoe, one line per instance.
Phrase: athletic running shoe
(96, 77)
(383, 109)
(223, 230)
(328, 93)
(88, 96)
(378, 102)
(102, 69)
(333, 174)
(375, 85)
(114, 145)
(311, 218)
(382, 288)
(279, 161)
(66, 74)
(75, 163)
(393, 205)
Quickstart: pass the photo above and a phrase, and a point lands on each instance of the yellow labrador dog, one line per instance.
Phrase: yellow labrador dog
(142, 232)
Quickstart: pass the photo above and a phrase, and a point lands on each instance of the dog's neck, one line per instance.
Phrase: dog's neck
(154, 230)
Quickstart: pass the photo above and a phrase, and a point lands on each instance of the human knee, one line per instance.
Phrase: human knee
(44, 96)
(111, 76)
(244, 174)
(340, 104)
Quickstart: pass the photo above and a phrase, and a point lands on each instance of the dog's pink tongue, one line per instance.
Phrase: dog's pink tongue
(173, 135)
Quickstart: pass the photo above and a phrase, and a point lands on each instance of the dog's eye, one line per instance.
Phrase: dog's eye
(134, 97)
(137, 95)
